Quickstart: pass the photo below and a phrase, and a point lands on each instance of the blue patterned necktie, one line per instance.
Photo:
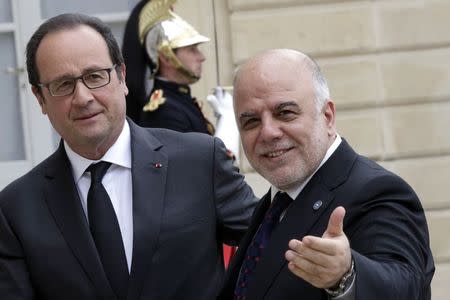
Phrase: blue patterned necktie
(105, 231)
(254, 251)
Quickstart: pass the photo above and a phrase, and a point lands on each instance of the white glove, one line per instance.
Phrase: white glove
(226, 129)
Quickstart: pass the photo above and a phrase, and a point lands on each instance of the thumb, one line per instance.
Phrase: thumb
(336, 223)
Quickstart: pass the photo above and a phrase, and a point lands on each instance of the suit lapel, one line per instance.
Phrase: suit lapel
(299, 221)
(302, 218)
(63, 201)
(149, 171)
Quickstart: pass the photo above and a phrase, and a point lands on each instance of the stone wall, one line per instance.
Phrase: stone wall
(388, 67)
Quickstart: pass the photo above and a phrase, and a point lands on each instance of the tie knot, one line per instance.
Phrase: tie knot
(98, 170)
(280, 202)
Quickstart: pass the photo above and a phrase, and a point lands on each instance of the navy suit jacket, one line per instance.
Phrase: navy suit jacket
(384, 223)
(182, 212)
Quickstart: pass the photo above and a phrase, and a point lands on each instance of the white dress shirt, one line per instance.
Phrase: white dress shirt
(117, 182)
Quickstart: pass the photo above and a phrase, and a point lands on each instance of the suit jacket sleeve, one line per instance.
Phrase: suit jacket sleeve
(390, 243)
(15, 280)
(234, 199)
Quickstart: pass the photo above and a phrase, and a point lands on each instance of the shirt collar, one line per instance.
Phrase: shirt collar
(118, 154)
(296, 190)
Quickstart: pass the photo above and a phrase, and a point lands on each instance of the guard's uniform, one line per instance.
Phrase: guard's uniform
(153, 29)
(172, 106)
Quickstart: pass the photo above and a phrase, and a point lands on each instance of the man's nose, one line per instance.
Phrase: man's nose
(82, 94)
(270, 129)
(201, 56)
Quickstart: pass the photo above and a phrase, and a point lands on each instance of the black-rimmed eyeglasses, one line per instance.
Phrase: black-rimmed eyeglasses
(92, 80)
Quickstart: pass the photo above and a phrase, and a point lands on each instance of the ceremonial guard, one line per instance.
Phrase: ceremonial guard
(163, 60)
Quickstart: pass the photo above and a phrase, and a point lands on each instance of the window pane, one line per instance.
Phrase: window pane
(52, 8)
(11, 132)
(5, 11)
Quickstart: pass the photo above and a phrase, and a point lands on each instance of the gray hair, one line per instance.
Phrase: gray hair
(319, 82)
(67, 22)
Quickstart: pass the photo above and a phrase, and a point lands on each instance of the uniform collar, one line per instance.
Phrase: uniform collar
(163, 83)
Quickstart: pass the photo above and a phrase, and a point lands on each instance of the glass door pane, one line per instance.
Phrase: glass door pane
(5, 11)
(52, 8)
(11, 129)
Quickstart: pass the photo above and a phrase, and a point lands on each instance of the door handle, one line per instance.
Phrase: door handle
(14, 71)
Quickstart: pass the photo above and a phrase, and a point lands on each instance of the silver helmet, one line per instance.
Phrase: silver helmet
(162, 31)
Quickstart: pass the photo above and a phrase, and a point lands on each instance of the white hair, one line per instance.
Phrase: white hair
(320, 84)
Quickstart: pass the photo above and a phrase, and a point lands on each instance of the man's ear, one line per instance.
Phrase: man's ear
(40, 98)
(122, 73)
(163, 60)
(122, 76)
(329, 112)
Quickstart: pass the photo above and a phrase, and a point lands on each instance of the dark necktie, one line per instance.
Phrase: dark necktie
(254, 251)
(105, 231)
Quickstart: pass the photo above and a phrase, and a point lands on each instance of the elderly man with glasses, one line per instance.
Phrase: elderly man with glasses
(65, 86)
(118, 211)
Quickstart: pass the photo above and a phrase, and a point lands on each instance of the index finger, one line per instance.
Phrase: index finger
(324, 245)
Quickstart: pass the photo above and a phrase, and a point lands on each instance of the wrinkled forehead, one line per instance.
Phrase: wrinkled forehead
(272, 74)
(271, 66)
(70, 51)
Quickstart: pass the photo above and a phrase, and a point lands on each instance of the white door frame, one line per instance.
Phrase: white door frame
(37, 131)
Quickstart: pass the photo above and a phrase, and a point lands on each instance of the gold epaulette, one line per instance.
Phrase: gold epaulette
(156, 99)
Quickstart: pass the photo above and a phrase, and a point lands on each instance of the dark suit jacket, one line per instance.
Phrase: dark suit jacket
(182, 213)
(180, 111)
(385, 224)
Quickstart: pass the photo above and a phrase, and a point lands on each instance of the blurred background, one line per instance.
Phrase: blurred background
(387, 63)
